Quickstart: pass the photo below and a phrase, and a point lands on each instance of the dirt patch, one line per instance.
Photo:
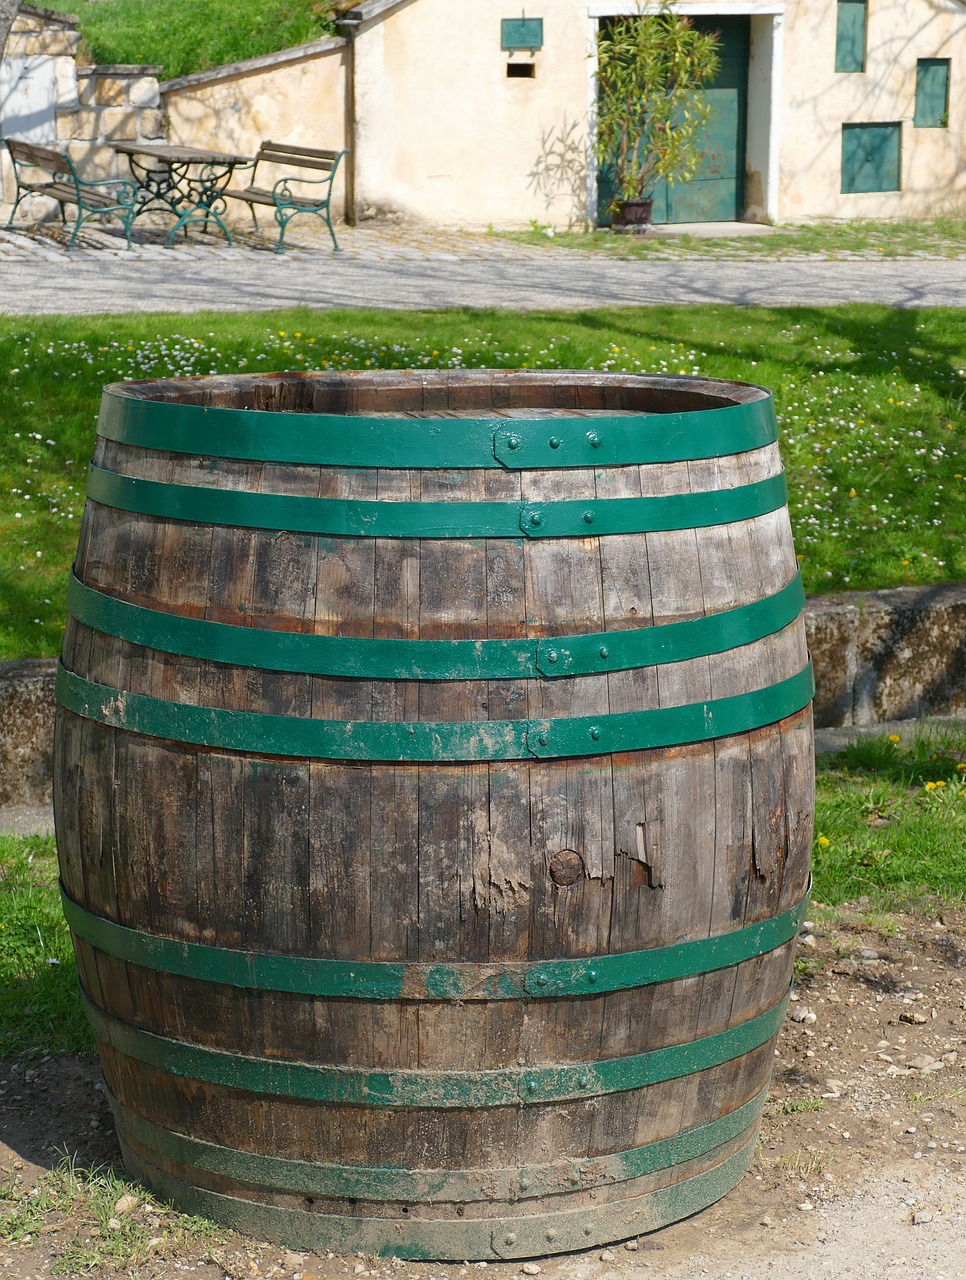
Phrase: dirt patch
(859, 1173)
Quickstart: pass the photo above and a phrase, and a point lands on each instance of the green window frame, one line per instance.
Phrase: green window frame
(932, 93)
(850, 28)
(871, 157)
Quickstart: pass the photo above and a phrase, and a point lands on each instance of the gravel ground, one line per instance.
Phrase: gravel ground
(414, 268)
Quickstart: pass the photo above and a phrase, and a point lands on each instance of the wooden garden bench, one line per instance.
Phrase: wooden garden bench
(292, 193)
(42, 171)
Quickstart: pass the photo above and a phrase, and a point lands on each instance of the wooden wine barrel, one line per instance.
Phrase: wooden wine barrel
(434, 787)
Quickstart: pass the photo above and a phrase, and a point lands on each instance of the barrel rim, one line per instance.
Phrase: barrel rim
(737, 417)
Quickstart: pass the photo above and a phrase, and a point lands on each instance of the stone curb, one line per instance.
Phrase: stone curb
(879, 656)
(888, 655)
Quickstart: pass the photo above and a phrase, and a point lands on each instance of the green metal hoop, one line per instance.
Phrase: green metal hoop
(433, 1186)
(429, 741)
(389, 980)
(517, 1236)
(351, 518)
(505, 1087)
(371, 659)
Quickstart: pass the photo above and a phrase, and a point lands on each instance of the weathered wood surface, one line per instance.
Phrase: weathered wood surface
(485, 862)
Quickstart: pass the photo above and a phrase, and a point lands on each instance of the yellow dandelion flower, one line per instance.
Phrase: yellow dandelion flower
(853, 493)
(961, 768)
(907, 562)
(930, 786)
(894, 737)
(824, 841)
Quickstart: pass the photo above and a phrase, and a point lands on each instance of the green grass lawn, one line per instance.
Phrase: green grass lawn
(39, 1006)
(943, 237)
(185, 36)
(870, 405)
(890, 821)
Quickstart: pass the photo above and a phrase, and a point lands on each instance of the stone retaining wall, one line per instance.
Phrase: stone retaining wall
(114, 104)
(888, 655)
(26, 730)
(84, 109)
(879, 656)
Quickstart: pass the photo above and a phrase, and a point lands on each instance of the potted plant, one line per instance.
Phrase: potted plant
(651, 69)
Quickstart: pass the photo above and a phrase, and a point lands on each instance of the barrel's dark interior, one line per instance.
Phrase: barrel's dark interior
(389, 391)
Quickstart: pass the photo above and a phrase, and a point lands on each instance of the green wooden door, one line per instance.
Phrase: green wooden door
(716, 193)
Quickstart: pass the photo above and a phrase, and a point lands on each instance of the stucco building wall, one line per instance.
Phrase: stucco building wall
(445, 135)
(438, 131)
(297, 96)
(817, 101)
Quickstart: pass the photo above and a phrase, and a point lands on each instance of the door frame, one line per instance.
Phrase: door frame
(764, 89)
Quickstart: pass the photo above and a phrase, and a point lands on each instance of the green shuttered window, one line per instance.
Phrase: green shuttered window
(850, 35)
(870, 157)
(932, 93)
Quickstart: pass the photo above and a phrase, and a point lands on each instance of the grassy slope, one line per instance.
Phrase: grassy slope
(869, 399)
(942, 237)
(184, 36)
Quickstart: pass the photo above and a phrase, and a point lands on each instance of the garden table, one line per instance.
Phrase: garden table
(185, 181)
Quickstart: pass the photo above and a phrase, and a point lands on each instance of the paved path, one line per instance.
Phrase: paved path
(400, 268)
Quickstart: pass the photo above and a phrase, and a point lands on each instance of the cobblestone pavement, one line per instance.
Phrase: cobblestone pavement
(410, 268)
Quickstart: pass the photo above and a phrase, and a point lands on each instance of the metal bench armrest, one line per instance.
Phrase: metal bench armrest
(127, 191)
(282, 192)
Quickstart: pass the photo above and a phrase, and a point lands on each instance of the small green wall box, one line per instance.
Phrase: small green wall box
(521, 33)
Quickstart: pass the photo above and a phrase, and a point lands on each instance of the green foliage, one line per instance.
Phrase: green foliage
(39, 1007)
(890, 822)
(650, 113)
(869, 403)
(807, 966)
(185, 36)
